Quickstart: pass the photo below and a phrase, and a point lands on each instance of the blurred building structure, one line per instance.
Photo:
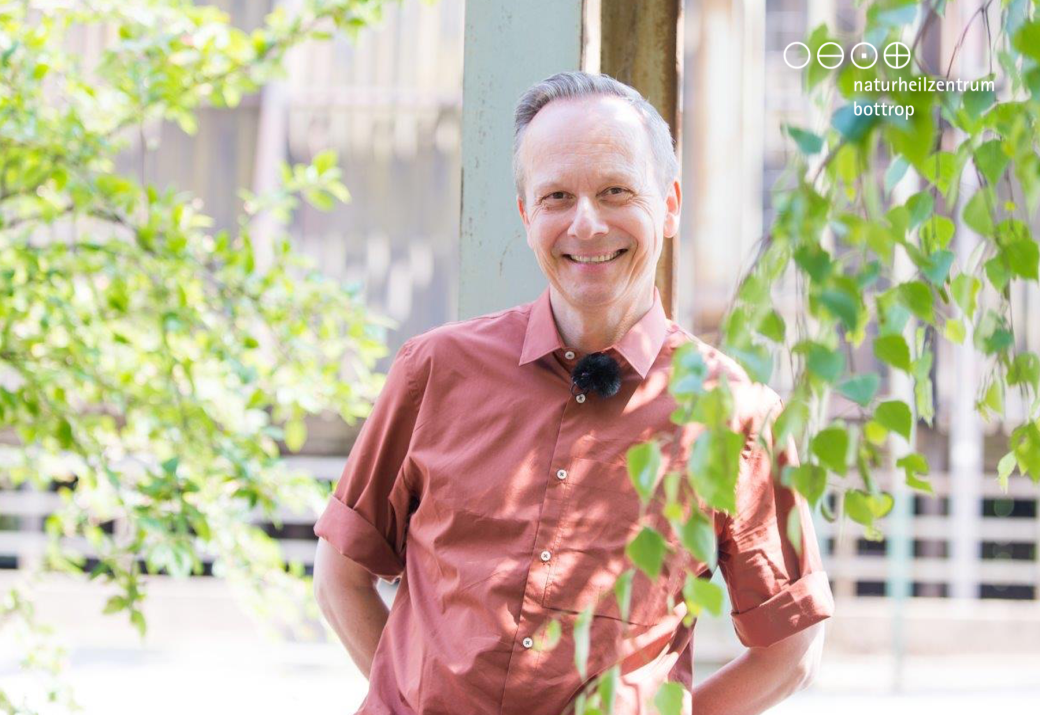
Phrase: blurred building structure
(390, 104)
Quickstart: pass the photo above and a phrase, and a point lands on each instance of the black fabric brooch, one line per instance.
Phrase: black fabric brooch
(597, 372)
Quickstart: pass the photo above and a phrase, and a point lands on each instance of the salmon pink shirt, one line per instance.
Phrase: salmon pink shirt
(502, 501)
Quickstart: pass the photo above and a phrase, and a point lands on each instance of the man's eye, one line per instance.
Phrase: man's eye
(617, 190)
(555, 196)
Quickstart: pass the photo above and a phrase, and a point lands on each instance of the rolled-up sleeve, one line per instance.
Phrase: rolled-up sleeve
(775, 588)
(366, 517)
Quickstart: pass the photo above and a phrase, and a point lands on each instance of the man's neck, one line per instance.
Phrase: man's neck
(594, 330)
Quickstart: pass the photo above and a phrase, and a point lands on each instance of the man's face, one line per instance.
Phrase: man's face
(592, 202)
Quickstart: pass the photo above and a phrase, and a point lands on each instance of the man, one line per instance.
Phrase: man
(498, 493)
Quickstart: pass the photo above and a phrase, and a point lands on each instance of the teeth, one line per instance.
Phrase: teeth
(597, 259)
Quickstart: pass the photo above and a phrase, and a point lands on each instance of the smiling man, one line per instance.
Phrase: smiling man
(492, 481)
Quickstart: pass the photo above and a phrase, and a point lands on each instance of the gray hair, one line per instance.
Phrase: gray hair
(570, 85)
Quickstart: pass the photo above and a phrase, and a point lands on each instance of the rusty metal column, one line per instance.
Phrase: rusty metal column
(641, 45)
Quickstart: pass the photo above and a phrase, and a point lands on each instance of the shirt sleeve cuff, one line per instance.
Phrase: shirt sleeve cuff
(801, 604)
(358, 540)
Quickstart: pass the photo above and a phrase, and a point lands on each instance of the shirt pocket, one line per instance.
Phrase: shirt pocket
(601, 514)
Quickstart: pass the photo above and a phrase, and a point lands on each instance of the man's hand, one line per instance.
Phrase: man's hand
(759, 678)
(347, 597)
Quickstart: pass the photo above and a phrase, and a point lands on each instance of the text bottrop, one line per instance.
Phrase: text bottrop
(880, 109)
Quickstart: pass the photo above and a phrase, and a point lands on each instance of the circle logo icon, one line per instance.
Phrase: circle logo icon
(864, 52)
(830, 55)
(897, 55)
(787, 58)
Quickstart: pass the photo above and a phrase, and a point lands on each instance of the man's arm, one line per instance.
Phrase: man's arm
(347, 598)
(761, 677)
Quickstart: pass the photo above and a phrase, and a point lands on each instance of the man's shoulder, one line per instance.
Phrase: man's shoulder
(472, 337)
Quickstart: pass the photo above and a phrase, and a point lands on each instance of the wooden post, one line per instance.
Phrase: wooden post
(640, 44)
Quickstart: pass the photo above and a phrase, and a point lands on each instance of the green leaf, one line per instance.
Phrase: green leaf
(644, 466)
(647, 551)
(965, 288)
(714, 466)
(915, 464)
(815, 261)
(772, 327)
(295, 434)
(756, 359)
(863, 507)
(698, 536)
(114, 604)
(998, 272)
(977, 212)
(1023, 255)
(1025, 370)
(1025, 443)
(1027, 39)
(844, 306)
(953, 330)
(669, 698)
(825, 363)
(896, 416)
(936, 232)
(623, 591)
(938, 267)
(688, 372)
(939, 169)
(791, 421)
(991, 160)
(861, 388)
(895, 172)
(851, 125)
(582, 627)
(808, 142)
(1005, 467)
(137, 619)
(920, 206)
(701, 593)
(917, 297)
(607, 688)
(550, 636)
(809, 479)
(831, 447)
(893, 350)
(976, 102)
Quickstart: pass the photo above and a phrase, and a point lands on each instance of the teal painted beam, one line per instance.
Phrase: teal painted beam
(509, 45)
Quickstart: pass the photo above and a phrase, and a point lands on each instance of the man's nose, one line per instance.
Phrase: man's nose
(587, 222)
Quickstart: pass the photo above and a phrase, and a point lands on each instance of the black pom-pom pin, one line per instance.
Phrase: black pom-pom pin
(597, 372)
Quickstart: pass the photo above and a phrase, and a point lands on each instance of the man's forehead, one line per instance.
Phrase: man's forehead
(586, 119)
(607, 137)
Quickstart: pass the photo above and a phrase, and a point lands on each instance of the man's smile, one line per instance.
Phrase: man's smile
(594, 257)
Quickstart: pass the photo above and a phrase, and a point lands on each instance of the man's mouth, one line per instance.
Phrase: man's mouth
(596, 257)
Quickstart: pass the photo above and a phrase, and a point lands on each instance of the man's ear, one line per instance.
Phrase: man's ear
(523, 211)
(673, 205)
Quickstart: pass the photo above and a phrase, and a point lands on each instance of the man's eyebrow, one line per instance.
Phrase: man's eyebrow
(612, 179)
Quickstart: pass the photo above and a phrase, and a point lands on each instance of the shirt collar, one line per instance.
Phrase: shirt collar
(639, 346)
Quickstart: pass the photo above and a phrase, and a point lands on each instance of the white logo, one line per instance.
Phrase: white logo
(830, 58)
(864, 52)
(808, 55)
(897, 55)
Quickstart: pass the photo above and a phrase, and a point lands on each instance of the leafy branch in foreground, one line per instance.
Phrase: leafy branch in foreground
(149, 365)
(876, 270)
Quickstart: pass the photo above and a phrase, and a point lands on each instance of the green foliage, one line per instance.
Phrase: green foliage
(865, 218)
(129, 329)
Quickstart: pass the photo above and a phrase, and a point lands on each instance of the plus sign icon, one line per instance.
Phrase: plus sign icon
(897, 55)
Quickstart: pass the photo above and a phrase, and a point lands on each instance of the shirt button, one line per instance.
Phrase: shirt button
(569, 354)
(579, 398)
(561, 473)
(528, 642)
(546, 556)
